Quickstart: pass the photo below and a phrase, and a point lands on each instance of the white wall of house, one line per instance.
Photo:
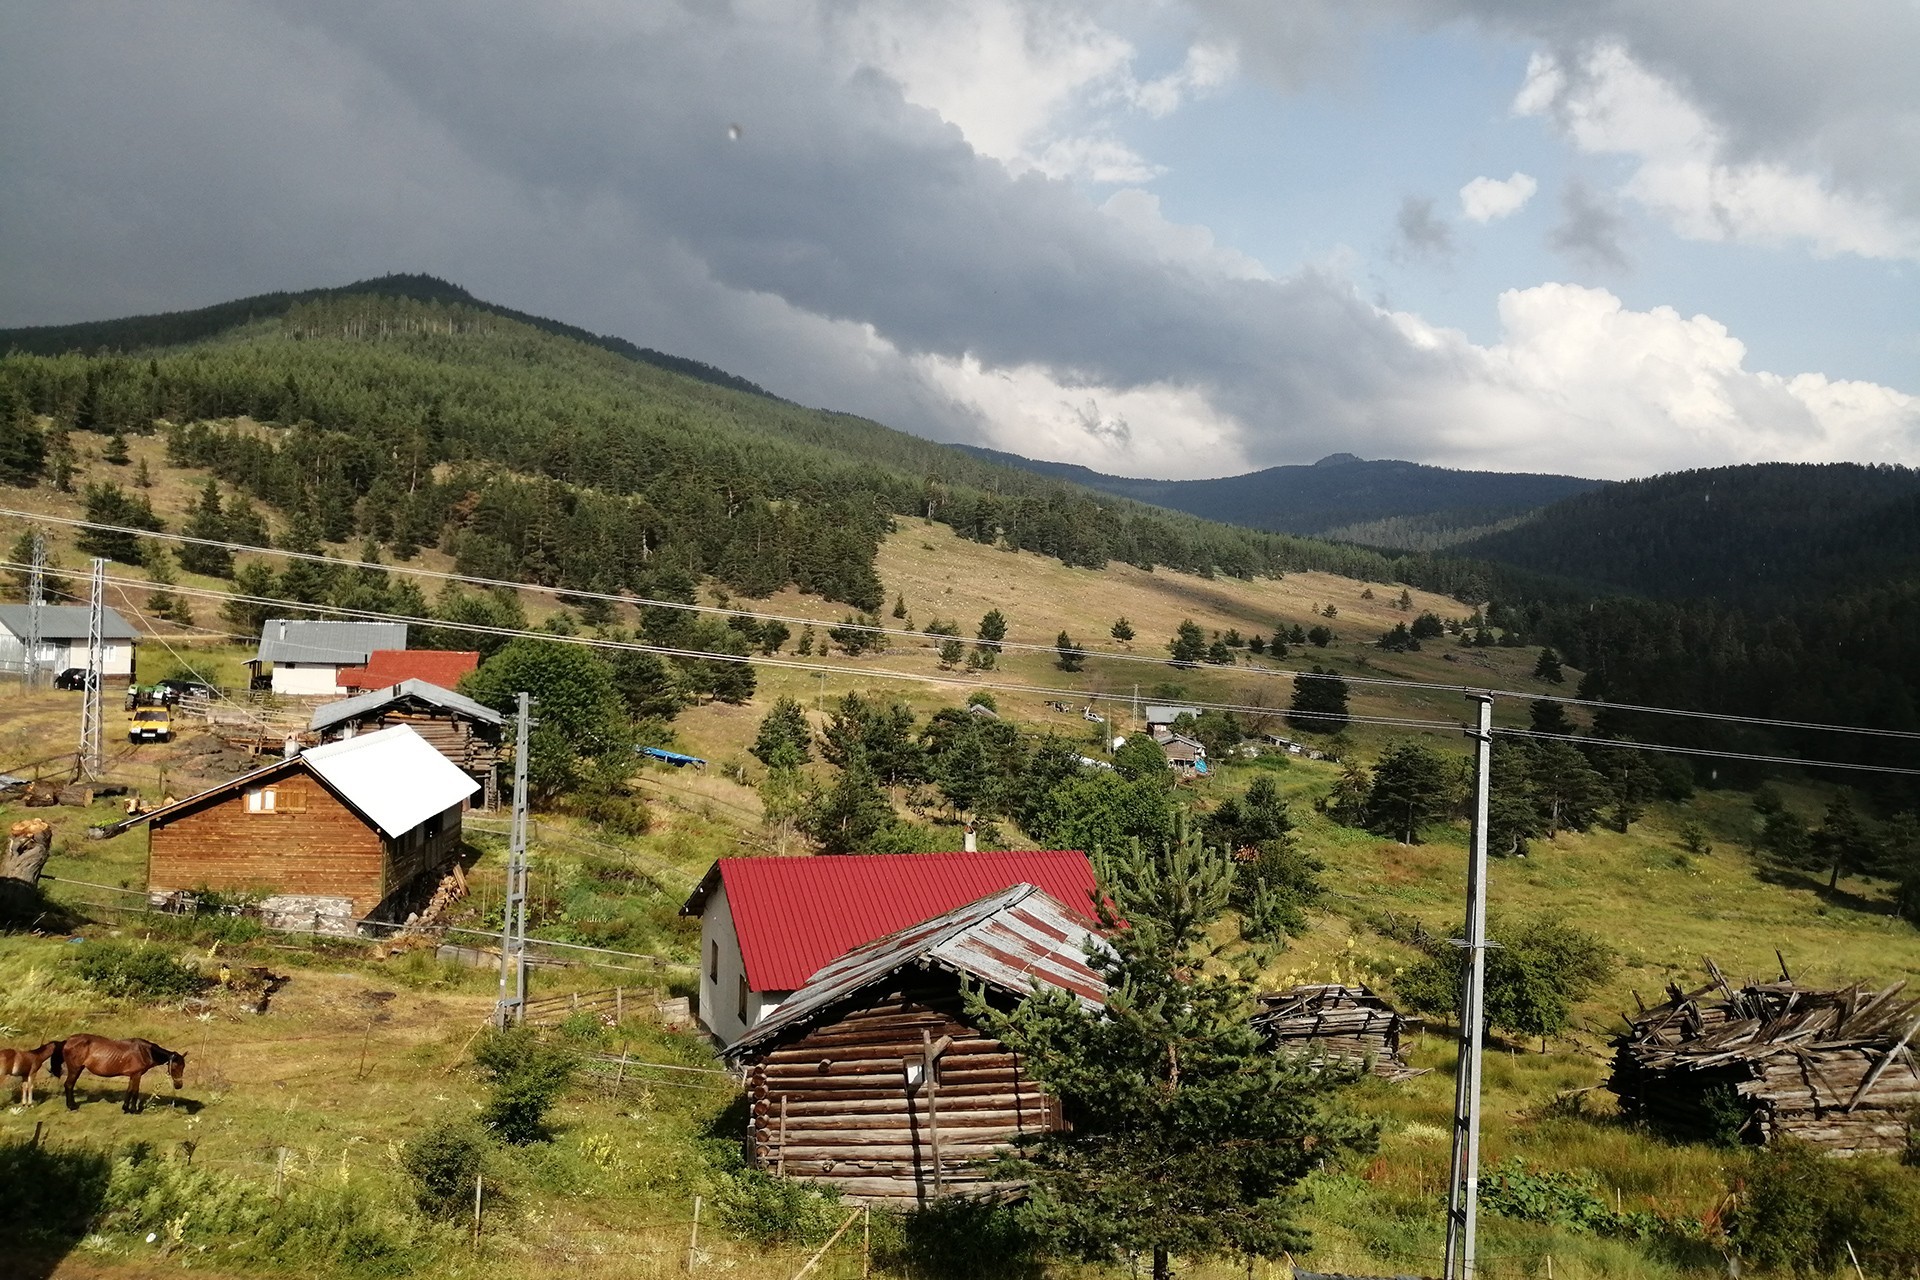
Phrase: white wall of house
(723, 976)
(116, 656)
(306, 678)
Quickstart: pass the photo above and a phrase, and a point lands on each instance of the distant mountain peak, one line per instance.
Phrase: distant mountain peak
(1339, 460)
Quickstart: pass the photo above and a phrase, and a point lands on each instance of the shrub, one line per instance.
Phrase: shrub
(527, 1078)
(128, 971)
(768, 1210)
(1796, 1210)
(959, 1239)
(442, 1163)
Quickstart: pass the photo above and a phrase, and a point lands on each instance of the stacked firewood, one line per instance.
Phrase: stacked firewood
(1830, 1066)
(1332, 1023)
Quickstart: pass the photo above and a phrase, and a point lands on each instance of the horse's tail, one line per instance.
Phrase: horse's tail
(57, 1060)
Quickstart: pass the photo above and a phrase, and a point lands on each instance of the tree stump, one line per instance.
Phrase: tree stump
(29, 845)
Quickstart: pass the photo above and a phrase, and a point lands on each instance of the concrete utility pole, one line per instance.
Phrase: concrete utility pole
(91, 748)
(512, 1007)
(1463, 1189)
(36, 601)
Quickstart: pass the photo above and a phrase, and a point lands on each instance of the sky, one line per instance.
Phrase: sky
(1170, 238)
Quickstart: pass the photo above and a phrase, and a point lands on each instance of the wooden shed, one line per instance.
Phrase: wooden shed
(462, 730)
(872, 1078)
(1334, 1024)
(1831, 1066)
(331, 836)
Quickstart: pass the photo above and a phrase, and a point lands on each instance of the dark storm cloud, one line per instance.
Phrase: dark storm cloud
(1422, 234)
(1590, 230)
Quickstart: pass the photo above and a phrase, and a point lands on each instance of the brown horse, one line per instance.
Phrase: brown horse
(26, 1062)
(130, 1058)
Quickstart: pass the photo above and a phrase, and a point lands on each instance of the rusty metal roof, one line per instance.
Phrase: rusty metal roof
(1015, 940)
(794, 915)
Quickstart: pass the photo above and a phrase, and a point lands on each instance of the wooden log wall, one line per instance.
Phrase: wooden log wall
(310, 844)
(836, 1104)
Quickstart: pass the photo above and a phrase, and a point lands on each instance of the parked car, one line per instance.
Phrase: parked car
(150, 724)
(71, 678)
(181, 687)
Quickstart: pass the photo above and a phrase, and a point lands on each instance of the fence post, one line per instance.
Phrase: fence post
(693, 1240)
(279, 1172)
(866, 1242)
(477, 1184)
(619, 1006)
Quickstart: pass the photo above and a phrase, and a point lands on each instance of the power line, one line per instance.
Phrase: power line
(971, 682)
(670, 651)
(1029, 646)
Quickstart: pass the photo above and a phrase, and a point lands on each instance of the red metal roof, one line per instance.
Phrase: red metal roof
(795, 915)
(443, 667)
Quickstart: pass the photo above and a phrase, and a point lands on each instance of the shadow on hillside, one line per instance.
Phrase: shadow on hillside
(52, 1197)
(1791, 878)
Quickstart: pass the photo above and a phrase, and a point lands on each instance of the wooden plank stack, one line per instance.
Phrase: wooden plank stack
(1332, 1023)
(1830, 1066)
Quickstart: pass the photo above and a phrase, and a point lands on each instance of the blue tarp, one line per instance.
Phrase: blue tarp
(673, 758)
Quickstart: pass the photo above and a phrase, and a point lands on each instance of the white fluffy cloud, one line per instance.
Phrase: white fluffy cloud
(1688, 173)
(1490, 199)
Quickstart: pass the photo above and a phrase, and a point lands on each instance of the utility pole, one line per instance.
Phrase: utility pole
(91, 748)
(511, 1008)
(36, 601)
(1463, 1188)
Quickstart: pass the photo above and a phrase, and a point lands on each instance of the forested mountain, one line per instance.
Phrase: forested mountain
(532, 450)
(1340, 495)
(1761, 534)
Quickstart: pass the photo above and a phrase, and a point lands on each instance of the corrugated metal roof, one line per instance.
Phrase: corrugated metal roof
(394, 777)
(793, 915)
(1157, 714)
(1013, 940)
(385, 667)
(305, 640)
(328, 714)
(65, 622)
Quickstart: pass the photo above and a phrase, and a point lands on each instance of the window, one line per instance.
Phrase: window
(262, 800)
(743, 998)
(713, 962)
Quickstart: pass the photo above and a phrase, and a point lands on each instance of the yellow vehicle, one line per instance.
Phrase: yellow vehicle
(150, 724)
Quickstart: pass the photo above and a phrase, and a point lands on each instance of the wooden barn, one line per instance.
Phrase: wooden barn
(459, 728)
(872, 1078)
(767, 925)
(333, 835)
(1338, 1025)
(1833, 1067)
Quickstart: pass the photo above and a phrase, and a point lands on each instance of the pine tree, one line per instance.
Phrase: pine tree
(951, 651)
(993, 630)
(1189, 644)
(899, 605)
(1411, 788)
(1186, 1131)
(785, 740)
(1548, 667)
(115, 450)
(1319, 702)
(851, 815)
(1071, 656)
(1122, 631)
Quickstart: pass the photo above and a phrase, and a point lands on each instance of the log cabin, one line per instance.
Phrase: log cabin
(459, 728)
(339, 833)
(873, 1079)
(768, 924)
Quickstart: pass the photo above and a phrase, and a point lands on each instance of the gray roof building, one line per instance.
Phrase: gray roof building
(332, 713)
(1167, 715)
(337, 643)
(65, 622)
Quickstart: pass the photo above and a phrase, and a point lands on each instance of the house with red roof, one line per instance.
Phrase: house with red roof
(767, 925)
(388, 667)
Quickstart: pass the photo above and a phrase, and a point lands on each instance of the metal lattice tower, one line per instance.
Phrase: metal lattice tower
(1463, 1188)
(92, 748)
(36, 601)
(511, 1007)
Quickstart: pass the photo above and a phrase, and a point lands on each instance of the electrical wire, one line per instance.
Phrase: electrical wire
(1631, 745)
(871, 629)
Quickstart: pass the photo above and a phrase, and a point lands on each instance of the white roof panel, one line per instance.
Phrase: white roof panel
(393, 776)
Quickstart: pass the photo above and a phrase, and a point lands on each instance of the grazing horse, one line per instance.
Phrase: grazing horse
(130, 1058)
(26, 1062)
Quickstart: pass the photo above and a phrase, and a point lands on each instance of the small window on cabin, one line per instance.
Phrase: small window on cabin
(433, 827)
(713, 962)
(262, 800)
(743, 997)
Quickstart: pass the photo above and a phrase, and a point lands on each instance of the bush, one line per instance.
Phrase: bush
(527, 1078)
(768, 1210)
(959, 1239)
(128, 971)
(1796, 1210)
(442, 1163)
